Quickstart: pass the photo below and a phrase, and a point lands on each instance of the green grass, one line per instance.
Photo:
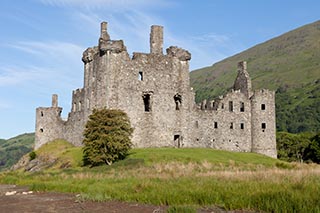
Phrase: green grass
(184, 179)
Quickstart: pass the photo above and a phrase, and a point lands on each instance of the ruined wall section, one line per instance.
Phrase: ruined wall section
(226, 126)
(243, 81)
(49, 124)
(263, 123)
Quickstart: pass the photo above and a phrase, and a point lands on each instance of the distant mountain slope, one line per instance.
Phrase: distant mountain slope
(13, 149)
(288, 64)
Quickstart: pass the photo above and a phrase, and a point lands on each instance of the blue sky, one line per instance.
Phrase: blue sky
(41, 41)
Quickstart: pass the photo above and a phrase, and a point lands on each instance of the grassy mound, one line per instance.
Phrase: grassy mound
(181, 178)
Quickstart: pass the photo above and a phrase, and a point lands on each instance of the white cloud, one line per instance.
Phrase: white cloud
(107, 4)
(51, 50)
(14, 75)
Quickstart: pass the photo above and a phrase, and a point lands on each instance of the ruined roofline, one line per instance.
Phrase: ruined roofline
(106, 44)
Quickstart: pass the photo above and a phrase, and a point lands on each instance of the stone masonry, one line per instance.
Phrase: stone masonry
(154, 90)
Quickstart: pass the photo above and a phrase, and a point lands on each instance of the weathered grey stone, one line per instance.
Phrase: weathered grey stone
(181, 54)
(154, 90)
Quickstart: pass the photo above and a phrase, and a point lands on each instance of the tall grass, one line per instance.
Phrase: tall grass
(184, 178)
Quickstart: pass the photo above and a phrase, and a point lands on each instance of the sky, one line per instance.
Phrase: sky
(42, 41)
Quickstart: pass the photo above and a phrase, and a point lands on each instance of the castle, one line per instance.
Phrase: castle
(154, 90)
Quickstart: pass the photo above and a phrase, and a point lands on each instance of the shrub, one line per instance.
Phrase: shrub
(32, 155)
(106, 137)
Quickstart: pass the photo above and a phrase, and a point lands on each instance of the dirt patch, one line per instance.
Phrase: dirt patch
(20, 199)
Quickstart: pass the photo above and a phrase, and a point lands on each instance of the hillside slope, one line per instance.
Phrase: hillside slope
(13, 149)
(288, 64)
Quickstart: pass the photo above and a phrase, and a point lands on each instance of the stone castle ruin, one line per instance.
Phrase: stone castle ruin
(154, 90)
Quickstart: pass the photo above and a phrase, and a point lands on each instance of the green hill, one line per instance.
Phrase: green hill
(288, 64)
(13, 149)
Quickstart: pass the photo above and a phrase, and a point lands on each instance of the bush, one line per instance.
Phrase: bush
(106, 137)
(32, 155)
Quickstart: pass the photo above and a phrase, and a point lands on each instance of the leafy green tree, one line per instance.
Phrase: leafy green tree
(293, 147)
(313, 150)
(106, 137)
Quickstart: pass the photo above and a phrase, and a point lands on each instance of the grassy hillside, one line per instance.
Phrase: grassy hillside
(288, 64)
(13, 149)
(183, 179)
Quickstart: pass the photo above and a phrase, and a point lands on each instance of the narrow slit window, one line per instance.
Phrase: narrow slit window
(222, 106)
(177, 99)
(241, 107)
(241, 125)
(147, 102)
(263, 126)
(216, 125)
(41, 114)
(41, 130)
(230, 106)
(74, 106)
(231, 125)
(80, 105)
(263, 107)
(140, 76)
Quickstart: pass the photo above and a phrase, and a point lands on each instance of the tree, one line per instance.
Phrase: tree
(106, 137)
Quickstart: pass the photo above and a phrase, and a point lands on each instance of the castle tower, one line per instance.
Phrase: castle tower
(263, 126)
(243, 81)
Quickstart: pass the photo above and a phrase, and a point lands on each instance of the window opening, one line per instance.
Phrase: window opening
(41, 114)
(241, 107)
(41, 130)
(241, 125)
(147, 102)
(80, 105)
(177, 140)
(263, 126)
(231, 125)
(230, 106)
(222, 106)
(140, 76)
(177, 100)
(263, 107)
(216, 125)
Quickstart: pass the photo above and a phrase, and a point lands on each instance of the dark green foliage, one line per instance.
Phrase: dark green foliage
(288, 64)
(106, 137)
(32, 155)
(303, 147)
(314, 149)
(13, 149)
